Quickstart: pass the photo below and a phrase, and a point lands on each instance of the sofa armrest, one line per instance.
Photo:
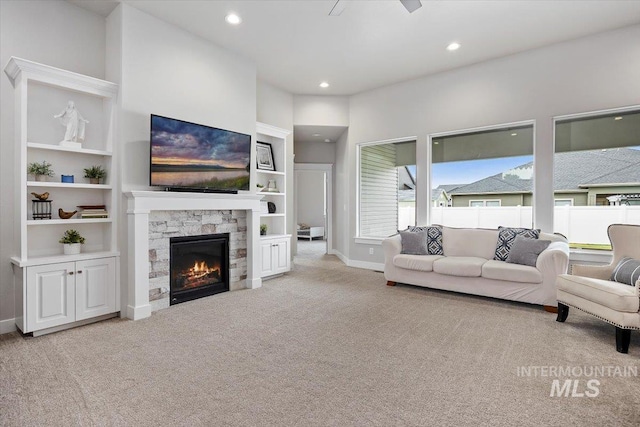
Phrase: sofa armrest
(391, 246)
(595, 271)
(552, 262)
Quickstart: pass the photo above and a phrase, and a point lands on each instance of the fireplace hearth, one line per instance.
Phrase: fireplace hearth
(199, 266)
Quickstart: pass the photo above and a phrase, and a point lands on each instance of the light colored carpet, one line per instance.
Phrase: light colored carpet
(325, 345)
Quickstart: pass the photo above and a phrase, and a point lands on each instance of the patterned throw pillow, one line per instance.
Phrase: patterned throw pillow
(627, 271)
(434, 238)
(506, 237)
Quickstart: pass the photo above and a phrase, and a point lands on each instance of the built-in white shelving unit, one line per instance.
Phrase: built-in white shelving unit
(276, 244)
(55, 291)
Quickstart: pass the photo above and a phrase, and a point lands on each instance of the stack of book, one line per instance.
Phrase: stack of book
(93, 211)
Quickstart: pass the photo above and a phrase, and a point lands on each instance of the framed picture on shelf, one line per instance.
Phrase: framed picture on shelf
(265, 156)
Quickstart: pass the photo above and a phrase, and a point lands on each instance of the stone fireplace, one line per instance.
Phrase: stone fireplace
(170, 230)
(156, 217)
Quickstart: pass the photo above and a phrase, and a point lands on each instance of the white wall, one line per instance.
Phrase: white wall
(320, 110)
(586, 74)
(315, 152)
(310, 197)
(275, 107)
(55, 33)
(167, 71)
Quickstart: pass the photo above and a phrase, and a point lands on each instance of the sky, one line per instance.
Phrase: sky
(468, 171)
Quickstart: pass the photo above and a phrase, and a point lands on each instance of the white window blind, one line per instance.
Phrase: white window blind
(378, 191)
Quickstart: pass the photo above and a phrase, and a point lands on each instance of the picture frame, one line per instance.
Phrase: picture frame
(264, 156)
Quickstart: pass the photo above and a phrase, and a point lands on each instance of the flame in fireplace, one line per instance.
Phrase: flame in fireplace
(201, 269)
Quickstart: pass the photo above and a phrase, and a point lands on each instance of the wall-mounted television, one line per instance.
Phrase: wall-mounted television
(191, 157)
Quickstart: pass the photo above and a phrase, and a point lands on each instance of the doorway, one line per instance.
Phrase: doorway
(314, 207)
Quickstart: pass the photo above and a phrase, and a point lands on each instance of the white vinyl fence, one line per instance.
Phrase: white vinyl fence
(581, 224)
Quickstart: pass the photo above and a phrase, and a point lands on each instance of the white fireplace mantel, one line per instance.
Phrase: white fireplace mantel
(141, 203)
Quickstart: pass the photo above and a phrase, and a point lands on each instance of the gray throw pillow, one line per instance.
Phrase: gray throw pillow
(627, 271)
(525, 251)
(414, 243)
(434, 237)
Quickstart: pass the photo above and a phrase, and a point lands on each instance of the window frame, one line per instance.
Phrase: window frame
(484, 203)
(359, 238)
(426, 164)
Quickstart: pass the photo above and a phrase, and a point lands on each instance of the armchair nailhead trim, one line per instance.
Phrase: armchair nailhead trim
(601, 318)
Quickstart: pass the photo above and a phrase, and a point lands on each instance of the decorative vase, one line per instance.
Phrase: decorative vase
(72, 248)
(94, 180)
(41, 178)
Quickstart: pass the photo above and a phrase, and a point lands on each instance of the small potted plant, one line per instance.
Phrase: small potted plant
(40, 170)
(263, 229)
(71, 241)
(95, 174)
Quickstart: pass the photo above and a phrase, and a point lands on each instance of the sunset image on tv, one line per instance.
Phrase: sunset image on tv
(196, 156)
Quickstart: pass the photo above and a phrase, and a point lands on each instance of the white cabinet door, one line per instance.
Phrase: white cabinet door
(95, 287)
(50, 296)
(266, 259)
(280, 256)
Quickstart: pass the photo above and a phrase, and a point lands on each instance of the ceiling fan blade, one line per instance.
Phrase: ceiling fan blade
(338, 8)
(411, 5)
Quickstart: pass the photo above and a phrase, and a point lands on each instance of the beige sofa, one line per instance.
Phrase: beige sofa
(468, 266)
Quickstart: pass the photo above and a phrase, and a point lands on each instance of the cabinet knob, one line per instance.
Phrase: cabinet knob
(71, 273)
(79, 271)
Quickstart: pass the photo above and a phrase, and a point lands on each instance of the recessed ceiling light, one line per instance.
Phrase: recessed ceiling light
(327, 140)
(453, 46)
(618, 118)
(324, 85)
(233, 19)
(514, 134)
(316, 134)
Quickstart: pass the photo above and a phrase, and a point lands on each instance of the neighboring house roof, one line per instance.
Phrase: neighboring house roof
(572, 171)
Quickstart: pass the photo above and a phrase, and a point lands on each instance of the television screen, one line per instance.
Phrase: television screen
(190, 156)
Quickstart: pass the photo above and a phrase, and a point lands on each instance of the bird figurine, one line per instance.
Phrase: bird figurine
(42, 197)
(65, 215)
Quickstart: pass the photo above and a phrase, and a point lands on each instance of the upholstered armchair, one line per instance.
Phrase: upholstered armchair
(591, 289)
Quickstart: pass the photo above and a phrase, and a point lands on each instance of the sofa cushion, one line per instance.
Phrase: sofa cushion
(459, 266)
(415, 262)
(469, 242)
(604, 292)
(434, 237)
(414, 243)
(501, 270)
(525, 251)
(627, 271)
(507, 237)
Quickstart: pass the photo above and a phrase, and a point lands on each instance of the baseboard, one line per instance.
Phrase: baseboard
(253, 283)
(341, 257)
(140, 312)
(357, 264)
(366, 265)
(8, 325)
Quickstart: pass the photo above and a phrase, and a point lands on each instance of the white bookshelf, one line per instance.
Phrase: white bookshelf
(276, 244)
(51, 287)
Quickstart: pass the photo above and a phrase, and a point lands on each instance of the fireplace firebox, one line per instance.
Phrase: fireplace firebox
(199, 266)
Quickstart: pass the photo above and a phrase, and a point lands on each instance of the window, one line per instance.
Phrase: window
(387, 188)
(491, 167)
(484, 203)
(597, 169)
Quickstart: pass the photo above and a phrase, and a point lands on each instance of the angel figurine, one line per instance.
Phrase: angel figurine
(75, 123)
